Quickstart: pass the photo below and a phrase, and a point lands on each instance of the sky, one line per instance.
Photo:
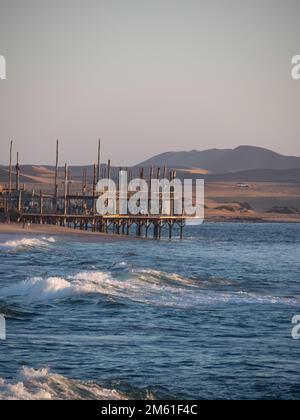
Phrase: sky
(147, 77)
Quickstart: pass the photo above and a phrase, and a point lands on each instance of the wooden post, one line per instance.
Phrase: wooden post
(159, 230)
(108, 175)
(17, 173)
(66, 190)
(118, 179)
(165, 172)
(118, 231)
(108, 169)
(56, 176)
(170, 230)
(139, 228)
(19, 200)
(94, 189)
(41, 207)
(10, 168)
(5, 204)
(155, 230)
(84, 181)
(69, 182)
(181, 230)
(104, 172)
(147, 225)
(150, 189)
(99, 161)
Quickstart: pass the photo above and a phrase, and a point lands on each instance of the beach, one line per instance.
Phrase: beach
(212, 216)
(78, 235)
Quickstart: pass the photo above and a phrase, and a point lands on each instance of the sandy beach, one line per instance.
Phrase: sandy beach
(251, 216)
(211, 216)
(15, 229)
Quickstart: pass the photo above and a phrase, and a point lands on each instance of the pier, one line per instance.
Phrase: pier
(139, 226)
(75, 206)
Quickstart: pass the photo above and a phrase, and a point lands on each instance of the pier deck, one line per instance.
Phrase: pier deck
(118, 224)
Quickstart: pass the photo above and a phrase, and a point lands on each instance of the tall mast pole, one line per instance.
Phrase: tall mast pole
(66, 189)
(17, 173)
(10, 167)
(108, 169)
(84, 181)
(56, 176)
(94, 188)
(99, 161)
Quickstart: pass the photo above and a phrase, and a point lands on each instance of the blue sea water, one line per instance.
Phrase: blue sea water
(206, 317)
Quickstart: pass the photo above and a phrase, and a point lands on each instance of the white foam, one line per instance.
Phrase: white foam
(121, 264)
(42, 384)
(40, 289)
(28, 242)
(143, 286)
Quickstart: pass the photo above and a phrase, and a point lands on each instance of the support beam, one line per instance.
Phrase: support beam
(181, 230)
(165, 172)
(158, 173)
(170, 230)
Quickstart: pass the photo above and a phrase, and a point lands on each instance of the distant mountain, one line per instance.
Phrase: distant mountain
(243, 163)
(225, 160)
(45, 174)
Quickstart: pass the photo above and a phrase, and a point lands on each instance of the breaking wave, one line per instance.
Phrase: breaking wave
(27, 243)
(142, 286)
(42, 384)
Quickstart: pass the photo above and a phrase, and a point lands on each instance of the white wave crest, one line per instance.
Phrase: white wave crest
(40, 289)
(28, 243)
(142, 286)
(41, 384)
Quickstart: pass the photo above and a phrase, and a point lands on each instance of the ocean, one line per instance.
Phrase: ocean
(209, 317)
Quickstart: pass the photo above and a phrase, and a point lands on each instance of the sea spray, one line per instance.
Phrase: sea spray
(138, 285)
(42, 384)
(28, 242)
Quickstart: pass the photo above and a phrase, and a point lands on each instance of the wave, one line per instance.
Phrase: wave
(139, 285)
(42, 384)
(27, 243)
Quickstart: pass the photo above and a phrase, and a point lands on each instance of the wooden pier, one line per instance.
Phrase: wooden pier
(139, 226)
(77, 209)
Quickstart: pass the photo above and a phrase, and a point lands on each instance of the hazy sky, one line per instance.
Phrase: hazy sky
(147, 77)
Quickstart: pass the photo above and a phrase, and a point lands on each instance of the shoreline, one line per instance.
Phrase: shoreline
(35, 229)
(252, 220)
(88, 236)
